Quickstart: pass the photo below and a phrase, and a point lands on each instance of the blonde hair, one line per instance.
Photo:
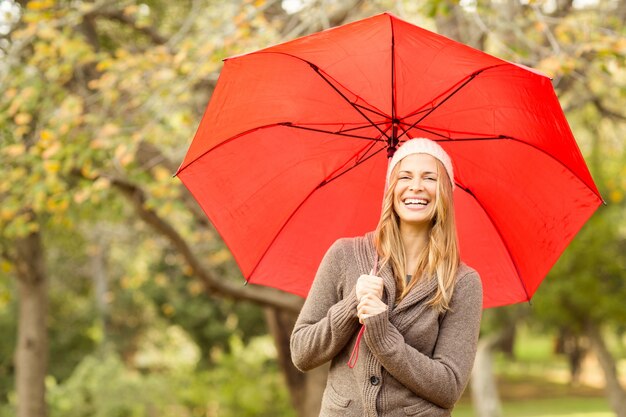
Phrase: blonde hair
(440, 258)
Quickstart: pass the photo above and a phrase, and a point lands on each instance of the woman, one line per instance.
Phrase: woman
(420, 306)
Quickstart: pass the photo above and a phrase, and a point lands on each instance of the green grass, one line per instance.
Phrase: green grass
(567, 406)
(532, 396)
(535, 384)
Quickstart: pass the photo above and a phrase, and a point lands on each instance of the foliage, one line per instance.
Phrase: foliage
(589, 281)
(245, 382)
(99, 102)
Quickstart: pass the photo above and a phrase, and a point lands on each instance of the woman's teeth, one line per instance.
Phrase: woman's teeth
(420, 201)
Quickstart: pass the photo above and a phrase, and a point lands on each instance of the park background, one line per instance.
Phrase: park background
(118, 298)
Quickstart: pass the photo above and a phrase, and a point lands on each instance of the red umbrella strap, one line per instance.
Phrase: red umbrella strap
(355, 350)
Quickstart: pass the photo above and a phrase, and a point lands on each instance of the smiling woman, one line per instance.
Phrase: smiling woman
(420, 180)
(420, 337)
(415, 190)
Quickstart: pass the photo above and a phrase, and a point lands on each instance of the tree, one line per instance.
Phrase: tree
(79, 131)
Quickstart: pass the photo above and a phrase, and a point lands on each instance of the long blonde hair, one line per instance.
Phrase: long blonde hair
(439, 259)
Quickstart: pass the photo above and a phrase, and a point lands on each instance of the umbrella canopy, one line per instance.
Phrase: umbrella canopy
(291, 152)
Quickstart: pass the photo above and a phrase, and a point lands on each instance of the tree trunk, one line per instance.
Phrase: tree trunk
(306, 389)
(98, 252)
(485, 396)
(31, 357)
(614, 390)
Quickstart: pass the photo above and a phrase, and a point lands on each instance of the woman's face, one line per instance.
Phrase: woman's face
(416, 189)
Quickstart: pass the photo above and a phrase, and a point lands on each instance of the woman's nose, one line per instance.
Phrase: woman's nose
(415, 185)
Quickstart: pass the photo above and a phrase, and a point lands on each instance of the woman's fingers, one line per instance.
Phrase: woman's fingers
(370, 305)
(367, 284)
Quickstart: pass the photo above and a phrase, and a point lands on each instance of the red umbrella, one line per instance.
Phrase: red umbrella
(292, 151)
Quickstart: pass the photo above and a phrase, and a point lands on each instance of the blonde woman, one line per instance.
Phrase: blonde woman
(419, 305)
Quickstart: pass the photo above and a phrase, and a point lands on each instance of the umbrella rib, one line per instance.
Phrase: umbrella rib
(293, 213)
(353, 105)
(360, 161)
(376, 112)
(428, 113)
(456, 90)
(225, 141)
(449, 139)
(318, 71)
(504, 137)
(284, 124)
(394, 121)
(338, 133)
(506, 246)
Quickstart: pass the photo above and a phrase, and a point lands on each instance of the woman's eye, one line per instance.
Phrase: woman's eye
(431, 178)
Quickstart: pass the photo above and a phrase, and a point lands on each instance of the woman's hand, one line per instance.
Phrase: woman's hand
(369, 284)
(369, 305)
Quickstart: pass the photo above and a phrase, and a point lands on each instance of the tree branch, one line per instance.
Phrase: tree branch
(149, 156)
(312, 19)
(121, 17)
(265, 296)
(607, 112)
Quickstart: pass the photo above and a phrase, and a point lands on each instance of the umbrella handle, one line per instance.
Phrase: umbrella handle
(355, 350)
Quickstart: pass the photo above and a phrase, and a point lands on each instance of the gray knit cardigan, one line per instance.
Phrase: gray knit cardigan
(414, 361)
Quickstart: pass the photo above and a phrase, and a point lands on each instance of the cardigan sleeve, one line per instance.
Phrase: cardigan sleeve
(441, 378)
(327, 320)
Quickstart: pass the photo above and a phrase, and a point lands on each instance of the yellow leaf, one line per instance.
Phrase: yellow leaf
(51, 150)
(195, 287)
(127, 159)
(124, 155)
(161, 173)
(51, 167)
(47, 33)
(6, 266)
(104, 64)
(121, 53)
(130, 10)
(93, 84)
(616, 196)
(7, 213)
(168, 309)
(15, 150)
(23, 118)
(101, 184)
(10, 93)
(64, 128)
(160, 279)
(81, 196)
(219, 257)
(109, 130)
(125, 282)
(40, 5)
(46, 135)
(25, 33)
(32, 227)
(97, 144)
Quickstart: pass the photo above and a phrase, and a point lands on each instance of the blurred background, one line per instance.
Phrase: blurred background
(118, 298)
